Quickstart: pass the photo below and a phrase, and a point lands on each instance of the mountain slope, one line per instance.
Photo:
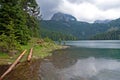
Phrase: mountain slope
(61, 23)
(81, 30)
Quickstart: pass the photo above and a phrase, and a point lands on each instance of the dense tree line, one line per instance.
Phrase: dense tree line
(17, 23)
(56, 36)
(110, 35)
(81, 30)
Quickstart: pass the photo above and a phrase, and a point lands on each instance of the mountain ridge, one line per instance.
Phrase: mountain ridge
(78, 29)
(63, 17)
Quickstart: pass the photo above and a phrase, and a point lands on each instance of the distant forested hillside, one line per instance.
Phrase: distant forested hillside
(80, 30)
(111, 35)
(54, 35)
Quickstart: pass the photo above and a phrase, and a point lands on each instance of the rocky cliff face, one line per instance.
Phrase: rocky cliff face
(63, 17)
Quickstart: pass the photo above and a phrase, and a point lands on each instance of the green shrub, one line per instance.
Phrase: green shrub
(8, 43)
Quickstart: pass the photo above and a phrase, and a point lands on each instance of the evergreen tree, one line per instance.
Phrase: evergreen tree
(8, 42)
(15, 19)
(33, 12)
(12, 11)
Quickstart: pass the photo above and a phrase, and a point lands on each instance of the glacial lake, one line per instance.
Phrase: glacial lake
(84, 60)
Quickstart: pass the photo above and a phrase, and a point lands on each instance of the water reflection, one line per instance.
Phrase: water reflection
(85, 60)
(91, 67)
(84, 69)
(61, 60)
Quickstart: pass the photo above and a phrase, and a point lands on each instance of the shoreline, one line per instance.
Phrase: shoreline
(46, 52)
(9, 60)
(24, 66)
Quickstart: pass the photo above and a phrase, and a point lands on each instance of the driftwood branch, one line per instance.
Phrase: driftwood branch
(30, 55)
(13, 65)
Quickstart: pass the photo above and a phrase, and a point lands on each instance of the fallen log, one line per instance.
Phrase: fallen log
(13, 65)
(30, 55)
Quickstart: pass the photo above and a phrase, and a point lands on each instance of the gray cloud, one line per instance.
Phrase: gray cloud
(83, 10)
(80, 1)
(108, 4)
(104, 5)
(48, 7)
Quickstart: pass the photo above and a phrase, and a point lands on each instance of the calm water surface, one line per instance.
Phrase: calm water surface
(84, 60)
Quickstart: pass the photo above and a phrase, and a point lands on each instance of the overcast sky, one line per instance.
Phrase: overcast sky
(83, 10)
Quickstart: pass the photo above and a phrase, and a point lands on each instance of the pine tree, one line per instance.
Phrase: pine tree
(8, 42)
(13, 28)
(17, 23)
(33, 13)
(12, 11)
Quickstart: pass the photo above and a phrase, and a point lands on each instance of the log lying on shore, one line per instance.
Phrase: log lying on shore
(13, 65)
(30, 55)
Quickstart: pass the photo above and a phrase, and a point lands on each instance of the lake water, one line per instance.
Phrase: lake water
(84, 60)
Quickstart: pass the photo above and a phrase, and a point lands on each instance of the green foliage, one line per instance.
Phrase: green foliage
(111, 35)
(80, 30)
(32, 9)
(15, 27)
(32, 24)
(52, 31)
(56, 35)
(46, 39)
(12, 12)
(75, 29)
(8, 42)
(60, 41)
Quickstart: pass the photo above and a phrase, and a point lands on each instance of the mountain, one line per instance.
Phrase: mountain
(102, 21)
(113, 33)
(63, 25)
(63, 17)
(80, 30)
